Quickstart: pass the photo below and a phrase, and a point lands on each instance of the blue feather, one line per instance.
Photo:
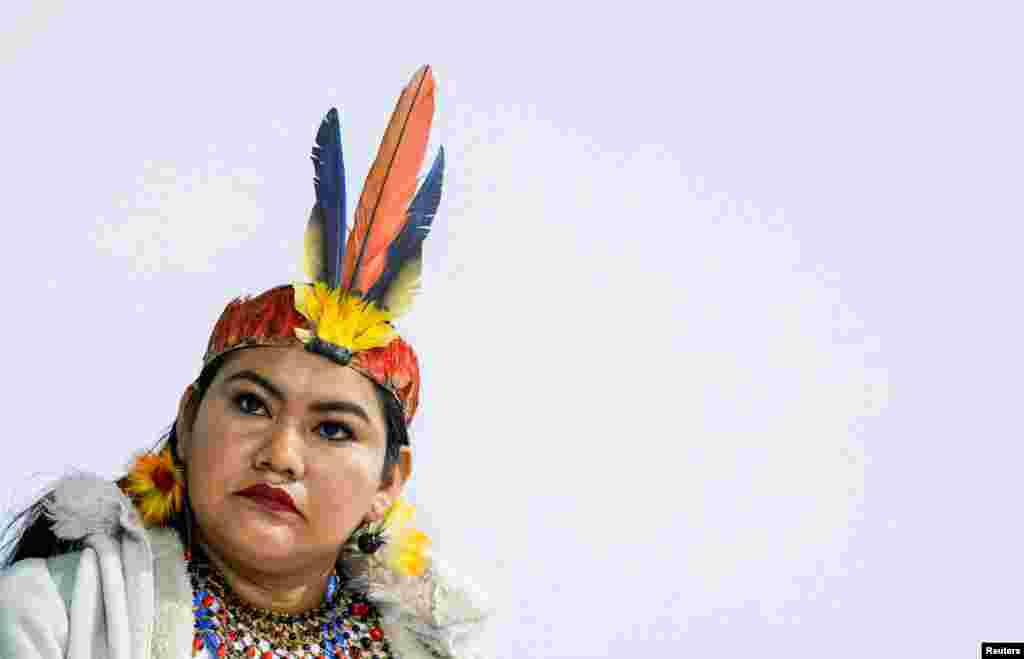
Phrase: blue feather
(329, 181)
(408, 245)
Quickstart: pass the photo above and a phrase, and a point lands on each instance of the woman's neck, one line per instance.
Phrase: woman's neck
(287, 594)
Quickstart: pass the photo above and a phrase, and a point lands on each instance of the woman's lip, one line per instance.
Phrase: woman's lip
(271, 504)
(272, 493)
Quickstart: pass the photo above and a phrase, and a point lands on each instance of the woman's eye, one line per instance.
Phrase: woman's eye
(249, 403)
(334, 430)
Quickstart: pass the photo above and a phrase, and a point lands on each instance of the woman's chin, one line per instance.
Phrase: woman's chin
(263, 536)
(262, 547)
(267, 539)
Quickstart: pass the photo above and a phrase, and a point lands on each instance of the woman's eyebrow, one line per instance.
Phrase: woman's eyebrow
(256, 378)
(341, 406)
(324, 406)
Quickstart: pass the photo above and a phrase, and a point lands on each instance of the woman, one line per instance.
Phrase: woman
(269, 523)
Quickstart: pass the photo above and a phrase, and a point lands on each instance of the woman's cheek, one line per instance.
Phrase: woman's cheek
(220, 457)
(345, 493)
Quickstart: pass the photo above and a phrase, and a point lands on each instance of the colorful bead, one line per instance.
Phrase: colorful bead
(332, 587)
(227, 631)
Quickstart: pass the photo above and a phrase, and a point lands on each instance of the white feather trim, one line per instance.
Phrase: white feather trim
(443, 610)
(82, 504)
(172, 629)
(404, 644)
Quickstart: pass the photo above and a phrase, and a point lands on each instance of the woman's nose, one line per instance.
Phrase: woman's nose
(282, 450)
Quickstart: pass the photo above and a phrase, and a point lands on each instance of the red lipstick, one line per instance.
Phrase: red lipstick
(272, 497)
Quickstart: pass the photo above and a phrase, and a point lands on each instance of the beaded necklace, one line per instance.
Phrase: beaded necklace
(346, 625)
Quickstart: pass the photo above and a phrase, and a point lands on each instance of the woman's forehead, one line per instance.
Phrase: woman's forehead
(298, 373)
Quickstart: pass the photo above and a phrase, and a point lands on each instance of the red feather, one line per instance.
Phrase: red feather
(390, 185)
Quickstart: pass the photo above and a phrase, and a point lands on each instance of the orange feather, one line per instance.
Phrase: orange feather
(390, 185)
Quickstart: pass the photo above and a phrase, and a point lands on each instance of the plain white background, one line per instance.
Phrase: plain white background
(721, 316)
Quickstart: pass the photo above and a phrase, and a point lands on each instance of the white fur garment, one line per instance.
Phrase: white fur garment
(437, 614)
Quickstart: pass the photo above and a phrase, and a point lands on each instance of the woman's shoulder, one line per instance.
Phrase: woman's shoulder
(31, 577)
(34, 597)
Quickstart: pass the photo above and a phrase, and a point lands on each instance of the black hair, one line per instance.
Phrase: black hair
(37, 539)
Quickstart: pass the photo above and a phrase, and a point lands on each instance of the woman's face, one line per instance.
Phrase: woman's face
(293, 420)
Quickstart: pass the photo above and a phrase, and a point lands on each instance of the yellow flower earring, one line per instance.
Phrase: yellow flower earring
(157, 485)
(406, 549)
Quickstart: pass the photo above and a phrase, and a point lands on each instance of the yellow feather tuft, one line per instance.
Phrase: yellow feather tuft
(343, 319)
(408, 548)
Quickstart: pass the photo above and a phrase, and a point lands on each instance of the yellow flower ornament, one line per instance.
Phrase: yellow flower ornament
(157, 486)
(407, 548)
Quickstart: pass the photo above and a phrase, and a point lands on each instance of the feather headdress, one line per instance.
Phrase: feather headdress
(358, 282)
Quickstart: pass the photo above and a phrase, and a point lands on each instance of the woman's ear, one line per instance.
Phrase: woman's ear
(186, 418)
(391, 488)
